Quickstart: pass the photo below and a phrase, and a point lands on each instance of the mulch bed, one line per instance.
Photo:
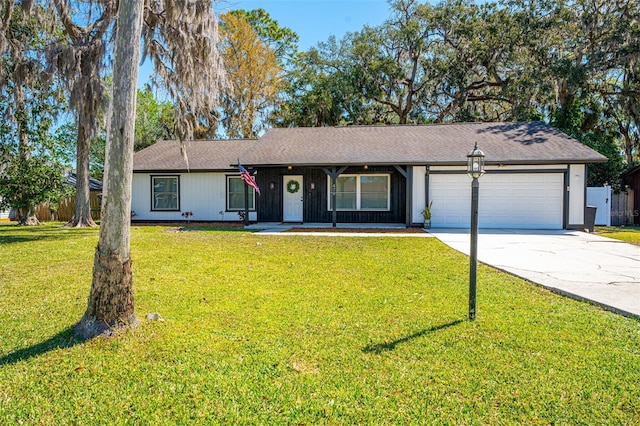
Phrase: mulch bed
(235, 225)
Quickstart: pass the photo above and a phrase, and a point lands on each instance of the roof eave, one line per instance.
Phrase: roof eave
(191, 170)
(431, 163)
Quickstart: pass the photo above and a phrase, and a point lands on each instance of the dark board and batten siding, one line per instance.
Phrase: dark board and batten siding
(315, 201)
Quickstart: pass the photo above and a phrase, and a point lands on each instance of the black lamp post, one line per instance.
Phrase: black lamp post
(475, 169)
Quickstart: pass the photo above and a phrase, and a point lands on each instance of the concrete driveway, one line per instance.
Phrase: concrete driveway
(580, 265)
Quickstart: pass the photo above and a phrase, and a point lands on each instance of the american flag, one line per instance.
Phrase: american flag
(247, 178)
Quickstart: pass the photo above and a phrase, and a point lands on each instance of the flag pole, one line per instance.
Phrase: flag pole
(246, 200)
(249, 180)
(246, 205)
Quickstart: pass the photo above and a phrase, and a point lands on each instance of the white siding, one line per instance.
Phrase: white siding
(203, 194)
(577, 189)
(418, 193)
(4, 215)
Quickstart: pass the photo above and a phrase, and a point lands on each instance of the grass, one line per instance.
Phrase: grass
(630, 234)
(302, 330)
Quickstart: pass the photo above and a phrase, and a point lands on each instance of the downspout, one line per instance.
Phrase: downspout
(584, 207)
(567, 197)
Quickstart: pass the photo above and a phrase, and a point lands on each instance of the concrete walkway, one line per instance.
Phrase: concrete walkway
(341, 230)
(576, 264)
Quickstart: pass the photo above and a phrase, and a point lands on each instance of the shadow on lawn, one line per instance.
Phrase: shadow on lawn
(21, 234)
(62, 340)
(378, 348)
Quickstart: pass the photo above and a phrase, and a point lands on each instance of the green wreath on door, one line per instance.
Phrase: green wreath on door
(293, 186)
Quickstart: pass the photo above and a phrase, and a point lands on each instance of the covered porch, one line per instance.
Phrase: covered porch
(335, 195)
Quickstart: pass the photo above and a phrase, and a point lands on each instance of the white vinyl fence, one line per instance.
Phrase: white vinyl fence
(600, 197)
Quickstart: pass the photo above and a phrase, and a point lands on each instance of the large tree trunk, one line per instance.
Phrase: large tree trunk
(82, 211)
(110, 304)
(28, 216)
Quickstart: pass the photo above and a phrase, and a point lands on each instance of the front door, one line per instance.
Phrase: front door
(292, 198)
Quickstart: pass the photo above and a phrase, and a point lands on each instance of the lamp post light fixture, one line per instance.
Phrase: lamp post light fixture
(475, 170)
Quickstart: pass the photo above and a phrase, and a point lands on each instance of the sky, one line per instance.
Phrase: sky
(316, 20)
(312, 20)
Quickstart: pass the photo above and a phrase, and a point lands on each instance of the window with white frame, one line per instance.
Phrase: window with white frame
(361, 192)
(165, 193)
(235, 194)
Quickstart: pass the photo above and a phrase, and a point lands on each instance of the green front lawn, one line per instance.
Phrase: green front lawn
(630, 234)
(302, 330)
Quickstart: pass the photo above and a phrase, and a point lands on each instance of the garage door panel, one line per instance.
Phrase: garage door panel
(518, 200)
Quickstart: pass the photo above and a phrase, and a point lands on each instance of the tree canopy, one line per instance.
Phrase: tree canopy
(155, 119)
(427, 63)
(254, 77)
(496, 61)
(30, 170)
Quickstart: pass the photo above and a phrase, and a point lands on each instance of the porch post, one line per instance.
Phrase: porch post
(333, 174)
(408, 176)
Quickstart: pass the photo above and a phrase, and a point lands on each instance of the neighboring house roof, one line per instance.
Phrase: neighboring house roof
(436, 144)
(216, 155)
(632, 172)
(94, 184)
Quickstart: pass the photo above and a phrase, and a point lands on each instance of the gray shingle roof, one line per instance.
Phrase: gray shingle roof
(217, 155)
(94, 184)
(446, 144)
(505, 143)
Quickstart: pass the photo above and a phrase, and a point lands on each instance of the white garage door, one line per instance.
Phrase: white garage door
(518, 200)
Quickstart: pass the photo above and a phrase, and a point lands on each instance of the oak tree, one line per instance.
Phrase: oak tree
(29, 103)
(80, 56)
